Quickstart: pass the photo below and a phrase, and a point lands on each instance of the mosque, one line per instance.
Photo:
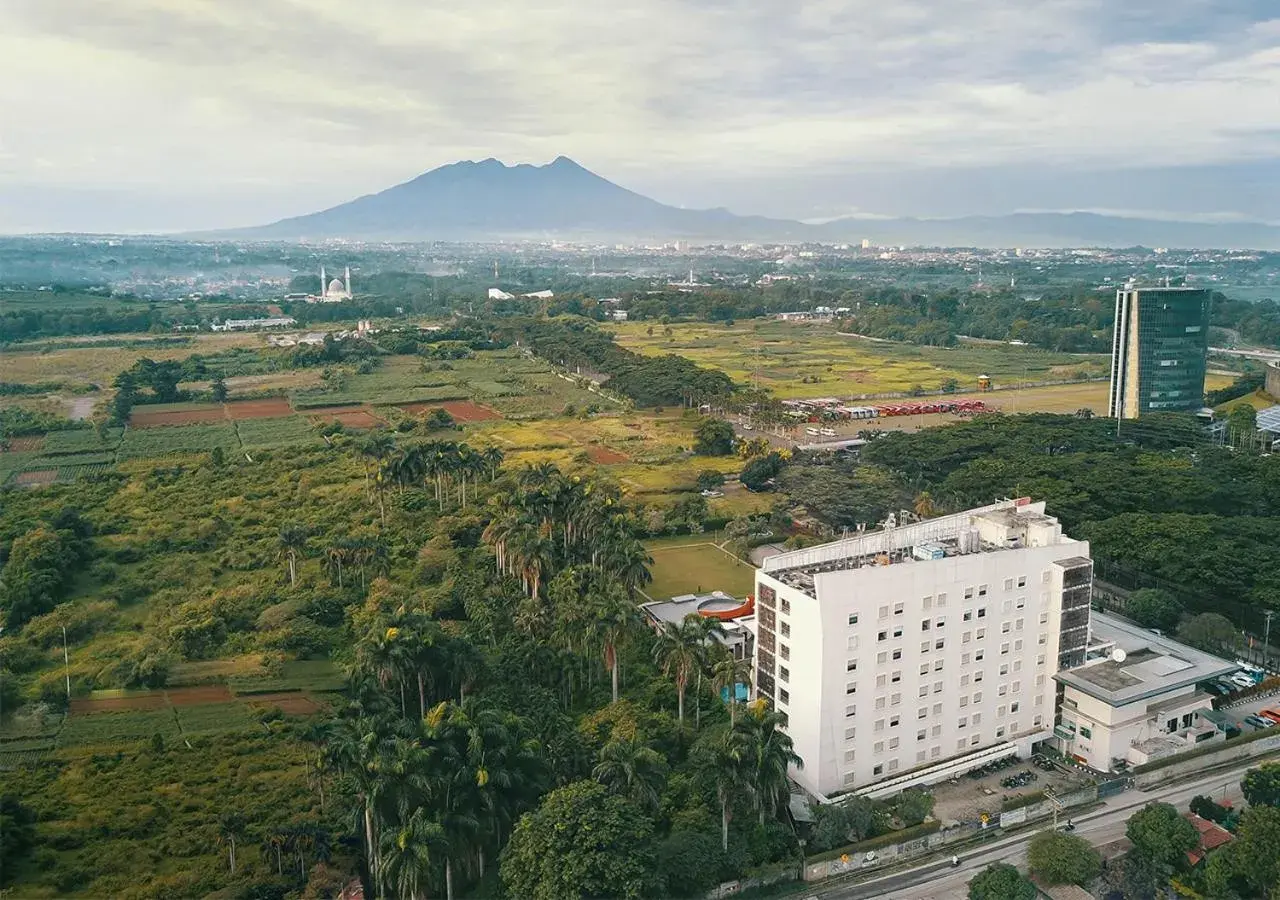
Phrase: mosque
(333, 291)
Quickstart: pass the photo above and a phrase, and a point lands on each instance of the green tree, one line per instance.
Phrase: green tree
(1261, 786)
(293, 544)
(726, 758)
(218, 389)
(1143, 878)
(1258, 847)
(410, 853)
(631, 769)
(1154, 608)
(713, 437)
(676, 650)
(726, 674)
(231, 828)
(1208, 630)
(1160, 833)
(709, 480)
(1001, 881)
(768, 756)
(1058, 858)
(581, 842)
(1243, 418)
(914, 806)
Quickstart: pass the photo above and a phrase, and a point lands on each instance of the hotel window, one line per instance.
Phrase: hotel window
(896, 676)
(1040, 660)
(784, 674)
(924, 668)
(785, 605)
(1017, 645)
(924, 690)
(966, 637)
(1008, 584)
(893, 765)
(939, 643)
(897, 654)
(1013, 707)
(853, 642)
(937, 687)
(1044, 639)
(1017, 663)
(1002, 690)
(1039, 681)
(981, 633)
(1004, 649)
(851, 666)
(977, 718)
(897, 632)
(963, 722)
(877, 770)
(982, 590)
(1037, 721)
(975, 740)
(853, 618)
(937, 709)
(1045, 576)
(879, 725)
(880, 681)
(924, 624)
(922, 712)
(783, 696)
(942, 599)
(878, 747)
(784, 651)
(1006, 627)
(968, 615)
(895, 699)
(924, 646)
(964, 700)
(851, 687)
(920, 756)
(898, 608)
(894, 720)
(884, 612)
(848, 757)
(937, 665)
(940, 623)
(964, 679)
(893, 743)
(1044, 618)
(1004, 668)
(1017, 686)
(1001, 710)
(977, 676)
(880, 702)
(977, 696)
(882, 657)
(786, 630)
(965, 658)
(882, 636)
(982, 612)
(935, 731)
(850, 712)
(1000, 732)
(968, 593)
(1006, 606)
(935, 752)
(927, 602)
(1022, 581)
(979, 655)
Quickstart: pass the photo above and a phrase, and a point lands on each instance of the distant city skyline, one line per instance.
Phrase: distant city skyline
(165, 115)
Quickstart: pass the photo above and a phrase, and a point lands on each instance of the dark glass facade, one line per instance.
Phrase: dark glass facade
(1159, 348)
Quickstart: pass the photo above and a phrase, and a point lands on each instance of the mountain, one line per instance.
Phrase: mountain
(478, 201)
(484, 200)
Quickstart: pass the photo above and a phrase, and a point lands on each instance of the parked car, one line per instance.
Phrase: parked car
(1272, 714)
(1242, 680)
(1259, 722)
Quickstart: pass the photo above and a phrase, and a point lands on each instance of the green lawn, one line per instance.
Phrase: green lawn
(691, 564)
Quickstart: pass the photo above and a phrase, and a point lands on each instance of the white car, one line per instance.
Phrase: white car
(1241, 680)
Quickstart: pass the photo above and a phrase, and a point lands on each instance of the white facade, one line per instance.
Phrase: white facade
(898, 651)
(1135, 698)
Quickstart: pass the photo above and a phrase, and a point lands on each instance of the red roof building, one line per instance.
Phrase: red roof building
(1212, 836)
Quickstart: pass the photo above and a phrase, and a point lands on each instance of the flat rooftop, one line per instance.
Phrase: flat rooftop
(1151, 664)
(675, 610)
(1007, 525)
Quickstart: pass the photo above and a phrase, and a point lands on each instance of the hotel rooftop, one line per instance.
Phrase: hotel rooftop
(1006, 525)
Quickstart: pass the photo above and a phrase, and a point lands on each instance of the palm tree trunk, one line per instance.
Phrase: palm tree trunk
(613, 672)
(680, 701)
(231, 852)
(697, 703)
(293, 571)
(373, 852)
(724, 825)
(482, 863)
(422, 695)
(448, 879)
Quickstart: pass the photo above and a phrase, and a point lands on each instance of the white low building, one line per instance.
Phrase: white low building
(1136, 698)
(909, 655)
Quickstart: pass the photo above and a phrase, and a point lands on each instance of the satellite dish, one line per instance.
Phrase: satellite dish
(1118, 655)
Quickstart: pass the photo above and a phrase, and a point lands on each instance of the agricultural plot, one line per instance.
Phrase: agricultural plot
(155, 416)
(258, 434)
(82, 440)
(806, 360)
(145, 442)
(694, 564)
(316, 675)
(217, 717)
(118, 727)
(13, 462)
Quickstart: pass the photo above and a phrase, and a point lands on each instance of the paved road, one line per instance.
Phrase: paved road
(938, 881)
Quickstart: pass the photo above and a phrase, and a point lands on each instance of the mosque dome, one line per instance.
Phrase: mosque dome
(336, 287)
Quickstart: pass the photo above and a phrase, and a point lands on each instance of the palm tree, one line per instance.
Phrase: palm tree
(492, 458)
(374, 450)
(410, 852)
(701, 629)
(727, 761)
(455, 786)
(274, 841)
(726, 675)
(293, 544)
(924, 506)
(626, 559)
(630, 768)
(612, 616)
(676, 651)
(337, 555)
(230, 830)
(354, 749)
(386, 653)
(768, 754)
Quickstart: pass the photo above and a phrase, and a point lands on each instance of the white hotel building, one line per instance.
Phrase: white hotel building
(908, 655)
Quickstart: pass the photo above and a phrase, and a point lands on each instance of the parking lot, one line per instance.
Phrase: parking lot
(965, 799)
(1241, 711)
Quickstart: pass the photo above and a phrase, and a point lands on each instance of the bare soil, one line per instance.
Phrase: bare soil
(270, 408)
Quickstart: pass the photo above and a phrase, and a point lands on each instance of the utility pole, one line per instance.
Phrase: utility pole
(1266, 638)
(66, 662)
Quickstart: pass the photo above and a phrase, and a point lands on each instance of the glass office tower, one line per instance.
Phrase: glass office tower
(1158, 351)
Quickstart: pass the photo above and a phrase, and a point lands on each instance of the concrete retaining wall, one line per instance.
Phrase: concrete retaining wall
(1208, 761)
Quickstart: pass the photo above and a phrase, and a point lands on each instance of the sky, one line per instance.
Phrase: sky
(161, 115)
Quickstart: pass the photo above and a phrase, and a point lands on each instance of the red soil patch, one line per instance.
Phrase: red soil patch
(272, 408)
(88, 705)
(461, 410)
(347, 416)
(604, 456)
(42, 476)
(25, 444)
(291, 704)
(198, 696)
(143, 419)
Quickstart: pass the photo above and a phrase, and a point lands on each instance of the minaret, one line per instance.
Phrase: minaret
(348, 282)
(324, 285)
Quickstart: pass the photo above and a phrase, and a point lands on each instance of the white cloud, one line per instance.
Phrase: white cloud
(330, 98)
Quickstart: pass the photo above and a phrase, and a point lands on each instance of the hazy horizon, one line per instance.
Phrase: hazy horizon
(165, 115)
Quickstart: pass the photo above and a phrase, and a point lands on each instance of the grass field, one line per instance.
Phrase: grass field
(693, 563)
(256, 434)
(317, 675)
(811, 360)
(82, 440)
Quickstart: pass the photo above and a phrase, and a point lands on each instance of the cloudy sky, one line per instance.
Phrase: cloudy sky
(137, 115)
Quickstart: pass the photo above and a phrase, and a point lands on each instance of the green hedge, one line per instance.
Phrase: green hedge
(1021, 800)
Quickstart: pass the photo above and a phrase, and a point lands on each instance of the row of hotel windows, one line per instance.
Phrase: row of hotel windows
(883, 657)
(934, 752)
(922, 712)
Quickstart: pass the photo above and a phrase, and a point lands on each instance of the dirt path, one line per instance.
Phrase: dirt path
(81, 408)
